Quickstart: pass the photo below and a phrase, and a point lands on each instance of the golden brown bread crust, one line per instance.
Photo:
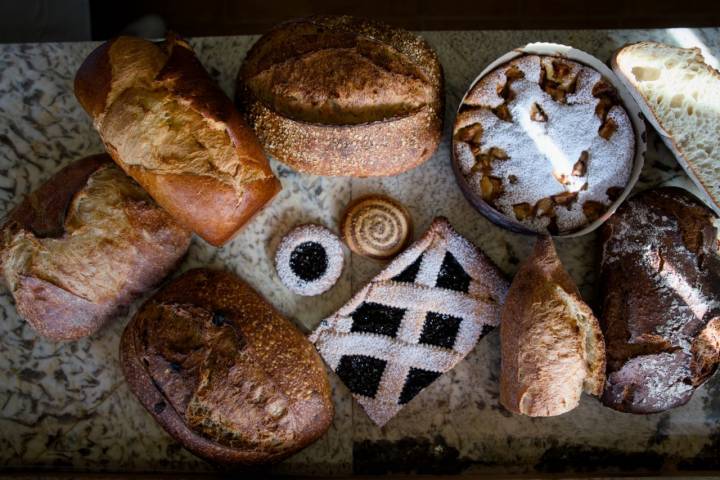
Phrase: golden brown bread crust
(169, 126)
(337, 95)
(551, 344)
(224, 373)
(82, 246)
(663, 333)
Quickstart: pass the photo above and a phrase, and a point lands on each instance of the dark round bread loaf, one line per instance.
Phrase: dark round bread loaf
(337, 95)
(83, 245)
(224, 373)
(660, 277)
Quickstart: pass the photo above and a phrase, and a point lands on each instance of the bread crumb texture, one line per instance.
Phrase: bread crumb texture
(683, 94)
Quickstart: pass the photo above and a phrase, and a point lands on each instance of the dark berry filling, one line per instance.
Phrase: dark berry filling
(361, 374)
(309, 261)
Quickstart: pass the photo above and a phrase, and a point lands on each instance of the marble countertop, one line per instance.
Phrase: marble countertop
(66, 405)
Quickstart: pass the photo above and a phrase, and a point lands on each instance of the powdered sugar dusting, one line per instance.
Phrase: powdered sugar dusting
(417, 298)
(541, 151)
(333, 250)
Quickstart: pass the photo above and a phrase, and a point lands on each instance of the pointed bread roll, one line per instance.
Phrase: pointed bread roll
(552, 348)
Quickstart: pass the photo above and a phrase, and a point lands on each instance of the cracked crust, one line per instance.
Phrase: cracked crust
(171, 128)
(377, 111)
(551, 344)
(662, 335)
(224, 373)
(82, 246)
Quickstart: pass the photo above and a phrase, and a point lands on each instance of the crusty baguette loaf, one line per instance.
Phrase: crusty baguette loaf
(337, 95)
(171, 128)
(552, 348)
(680, 95)
(660, 278)
(84, 244)
(224, 373)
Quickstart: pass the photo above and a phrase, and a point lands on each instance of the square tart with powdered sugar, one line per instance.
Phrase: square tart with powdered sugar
(413, 322)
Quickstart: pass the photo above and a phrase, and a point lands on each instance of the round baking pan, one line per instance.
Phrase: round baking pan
(636, 119)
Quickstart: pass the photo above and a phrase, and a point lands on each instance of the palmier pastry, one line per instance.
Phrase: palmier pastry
(376, 226)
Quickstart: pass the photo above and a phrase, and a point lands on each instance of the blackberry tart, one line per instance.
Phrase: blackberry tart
(413, 322)
(309, 259)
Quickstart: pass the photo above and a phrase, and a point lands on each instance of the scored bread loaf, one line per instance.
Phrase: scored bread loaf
(337, 95)
(171, 128)
(660, 277)
(680, 95)
(83, 245)
(551, 345)
(224, 373)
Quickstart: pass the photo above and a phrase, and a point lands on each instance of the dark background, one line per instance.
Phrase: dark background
(54, 20)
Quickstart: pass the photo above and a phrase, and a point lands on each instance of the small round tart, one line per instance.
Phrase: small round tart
(309, 259)
(376, 226)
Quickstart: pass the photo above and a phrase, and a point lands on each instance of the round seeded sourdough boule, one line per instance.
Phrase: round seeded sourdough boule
(224, 373)
(660, 277)
(337, 95)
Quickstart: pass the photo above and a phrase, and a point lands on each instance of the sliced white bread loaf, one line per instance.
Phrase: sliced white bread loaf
(680, 95)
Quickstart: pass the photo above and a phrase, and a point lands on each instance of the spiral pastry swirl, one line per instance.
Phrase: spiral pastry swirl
(376, 226)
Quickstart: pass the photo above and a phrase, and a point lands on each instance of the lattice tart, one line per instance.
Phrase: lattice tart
(413, 322)
(546, 142)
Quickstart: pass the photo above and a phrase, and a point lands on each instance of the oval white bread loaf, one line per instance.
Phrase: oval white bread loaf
(552, 348)
(83, 245)
(680, 95)
(171, 128)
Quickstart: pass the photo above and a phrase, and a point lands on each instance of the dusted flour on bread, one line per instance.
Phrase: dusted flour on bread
(660, 275)
(546, 142)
